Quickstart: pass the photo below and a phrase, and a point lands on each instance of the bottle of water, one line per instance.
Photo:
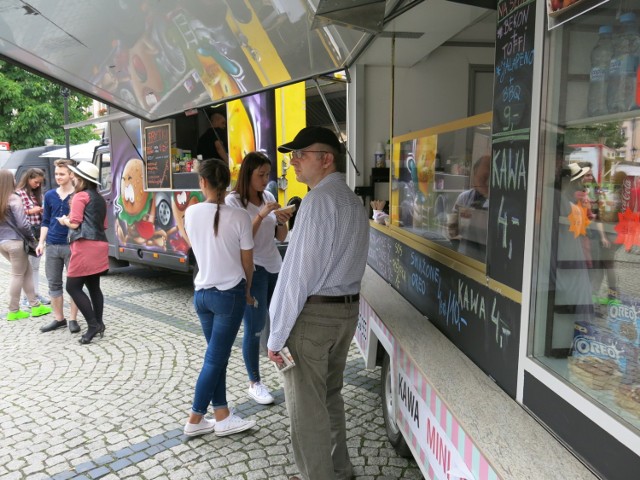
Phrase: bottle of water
(598, 77)
(621, 91)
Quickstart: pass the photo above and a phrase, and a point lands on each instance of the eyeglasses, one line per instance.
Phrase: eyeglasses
(299, 153)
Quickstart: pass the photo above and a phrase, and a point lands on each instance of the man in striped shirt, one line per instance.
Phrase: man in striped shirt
(314, 309)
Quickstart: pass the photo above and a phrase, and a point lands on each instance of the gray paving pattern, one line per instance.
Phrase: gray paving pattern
(116, 408)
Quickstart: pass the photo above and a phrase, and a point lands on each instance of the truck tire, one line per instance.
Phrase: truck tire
(388, 411)
(164, 214)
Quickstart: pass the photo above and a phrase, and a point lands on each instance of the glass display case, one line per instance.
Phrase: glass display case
(440, 184)
(586, 290)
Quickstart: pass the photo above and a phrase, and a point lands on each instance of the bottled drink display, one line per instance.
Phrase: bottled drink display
(621, 90)
(598, 77)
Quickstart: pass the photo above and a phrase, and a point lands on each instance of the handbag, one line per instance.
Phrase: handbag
(28, 244)
(35, 229)
(30, 247)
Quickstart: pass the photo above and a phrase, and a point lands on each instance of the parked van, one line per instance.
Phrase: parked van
(22, 160)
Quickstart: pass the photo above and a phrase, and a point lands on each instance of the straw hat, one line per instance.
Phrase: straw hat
(86, 170)
(577, 171)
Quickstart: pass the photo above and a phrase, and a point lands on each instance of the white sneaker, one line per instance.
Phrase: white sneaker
(194, 429)
(260, 393)
(233, 424)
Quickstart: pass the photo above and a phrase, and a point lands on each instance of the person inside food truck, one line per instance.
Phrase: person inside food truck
(213, 142)
(471, 208)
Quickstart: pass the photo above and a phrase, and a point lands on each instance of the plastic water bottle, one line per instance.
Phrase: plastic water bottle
(598, 77)
(621, 91)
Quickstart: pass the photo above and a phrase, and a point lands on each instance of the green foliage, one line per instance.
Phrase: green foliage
(610, 134)
(32, 110)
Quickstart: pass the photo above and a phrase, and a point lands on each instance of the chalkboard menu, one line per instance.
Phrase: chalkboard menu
(479, 321)
(157, 150)
(510, 137)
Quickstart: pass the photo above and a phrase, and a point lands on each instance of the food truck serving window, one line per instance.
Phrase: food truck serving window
(440, 188)
(587, 293)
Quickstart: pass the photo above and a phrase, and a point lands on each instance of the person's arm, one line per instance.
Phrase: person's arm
(282, 219)
(603, 237)
(246, 252)
(22, 222)
(44, 228)
(246, 257)
(221, 151)
(301, 272)
(43, 238)
(26, 202)
(262, 214)
(68, 223)
(78, 203)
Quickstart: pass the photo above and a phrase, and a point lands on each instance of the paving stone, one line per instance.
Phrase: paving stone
(98, 472)
(64, 475)
(115, 409)
(120, 464)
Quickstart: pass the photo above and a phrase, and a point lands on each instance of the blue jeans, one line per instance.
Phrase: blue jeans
(220, 313)
(255, 319)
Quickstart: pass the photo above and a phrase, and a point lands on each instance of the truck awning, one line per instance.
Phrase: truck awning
(157, 58)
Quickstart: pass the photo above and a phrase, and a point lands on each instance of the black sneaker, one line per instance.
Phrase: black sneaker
(73, 326)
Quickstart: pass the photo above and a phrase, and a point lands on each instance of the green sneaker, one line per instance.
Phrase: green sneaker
(19, 315)
(40, 310)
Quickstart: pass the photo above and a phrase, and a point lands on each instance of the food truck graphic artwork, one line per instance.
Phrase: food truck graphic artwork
(148, 195)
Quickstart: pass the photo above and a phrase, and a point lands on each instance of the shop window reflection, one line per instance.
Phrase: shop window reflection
(441, 186)
(587, 289)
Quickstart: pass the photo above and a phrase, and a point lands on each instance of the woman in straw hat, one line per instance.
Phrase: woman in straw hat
(87, 223)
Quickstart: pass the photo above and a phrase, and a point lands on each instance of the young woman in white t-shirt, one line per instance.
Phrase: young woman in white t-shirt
(251, 194)
(222, 241)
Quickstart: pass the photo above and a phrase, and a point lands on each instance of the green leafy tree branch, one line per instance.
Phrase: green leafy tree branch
(32, 110)
(610, 134)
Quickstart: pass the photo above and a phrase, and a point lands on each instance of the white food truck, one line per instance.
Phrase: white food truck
(501, 354)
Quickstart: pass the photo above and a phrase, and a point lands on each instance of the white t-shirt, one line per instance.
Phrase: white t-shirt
(218, 257)
(265, 252)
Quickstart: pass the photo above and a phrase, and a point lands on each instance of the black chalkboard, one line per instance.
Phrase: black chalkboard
(157, 149)
(511, 131)
(479, 321)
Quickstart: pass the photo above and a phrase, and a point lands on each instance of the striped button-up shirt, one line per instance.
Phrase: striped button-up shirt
(327, 253)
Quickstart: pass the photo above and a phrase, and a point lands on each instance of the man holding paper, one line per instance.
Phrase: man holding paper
(314, 308)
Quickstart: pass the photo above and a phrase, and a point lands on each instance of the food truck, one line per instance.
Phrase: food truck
(499, 304)
(148, 172)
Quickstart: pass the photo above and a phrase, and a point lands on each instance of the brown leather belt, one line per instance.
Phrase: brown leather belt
(332, 299)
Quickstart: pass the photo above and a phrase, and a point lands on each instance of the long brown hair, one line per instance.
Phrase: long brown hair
(217, 174)
(7, 188)
(23, 184)
(83, 184)
(251, 162)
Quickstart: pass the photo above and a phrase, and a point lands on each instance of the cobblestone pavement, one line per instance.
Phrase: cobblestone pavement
(116, 408)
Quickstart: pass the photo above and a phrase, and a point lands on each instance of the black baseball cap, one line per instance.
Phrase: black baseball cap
(310, 135)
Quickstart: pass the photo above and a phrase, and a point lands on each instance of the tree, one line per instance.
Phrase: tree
(32, 110)
(610, 134)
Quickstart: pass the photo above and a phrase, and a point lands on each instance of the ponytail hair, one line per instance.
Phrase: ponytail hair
(217, 174)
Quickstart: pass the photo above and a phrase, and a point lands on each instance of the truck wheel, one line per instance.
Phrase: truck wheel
(388, 411)
(164, 214)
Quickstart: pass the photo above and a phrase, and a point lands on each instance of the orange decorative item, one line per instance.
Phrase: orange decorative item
(628, 229)
(578, 220)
